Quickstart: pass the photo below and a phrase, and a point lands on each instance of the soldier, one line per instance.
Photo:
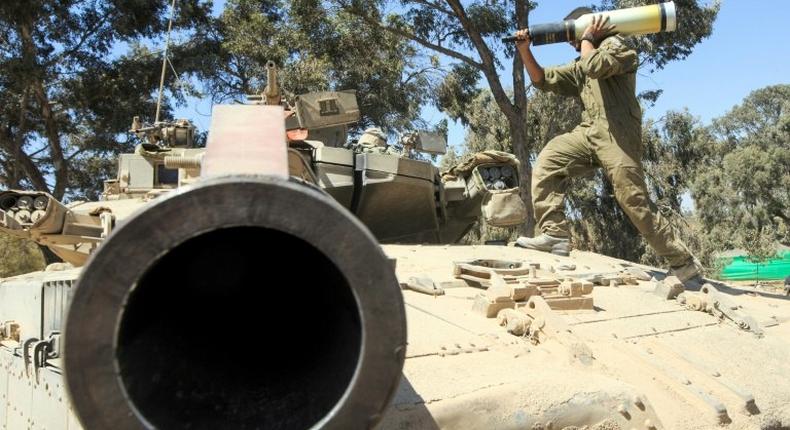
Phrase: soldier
(609, 137)
(373, 140)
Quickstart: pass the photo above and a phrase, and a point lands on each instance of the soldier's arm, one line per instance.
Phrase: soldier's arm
(561, 80)
(534, 70)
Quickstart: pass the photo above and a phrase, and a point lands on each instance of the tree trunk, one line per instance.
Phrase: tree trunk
(55, 150)
(518, 124)
(521, 146)
(23, 164)
(20, 164)
(48, 115)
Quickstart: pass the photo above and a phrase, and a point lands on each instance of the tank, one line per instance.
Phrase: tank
(268, 280)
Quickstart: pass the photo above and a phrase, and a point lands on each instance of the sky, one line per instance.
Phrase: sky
(747, 50)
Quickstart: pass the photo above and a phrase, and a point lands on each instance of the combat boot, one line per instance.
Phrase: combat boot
(689, 274)
(546, 243)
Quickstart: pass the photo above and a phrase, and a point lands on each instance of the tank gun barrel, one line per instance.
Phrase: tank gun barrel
(272, 91)
(184, 319)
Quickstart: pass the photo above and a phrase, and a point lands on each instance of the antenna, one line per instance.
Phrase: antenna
(164, 62)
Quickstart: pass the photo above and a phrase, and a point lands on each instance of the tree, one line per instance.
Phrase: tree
(468, 35)
(316, 48)
(68, 88)
(742, 190)
(672, 154)
(18, 256)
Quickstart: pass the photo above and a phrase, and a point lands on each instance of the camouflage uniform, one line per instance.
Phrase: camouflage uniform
(609, 137)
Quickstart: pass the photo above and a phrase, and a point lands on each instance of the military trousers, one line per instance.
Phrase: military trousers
(618, 151)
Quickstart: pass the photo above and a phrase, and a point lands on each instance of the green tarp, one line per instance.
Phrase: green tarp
(741, 269)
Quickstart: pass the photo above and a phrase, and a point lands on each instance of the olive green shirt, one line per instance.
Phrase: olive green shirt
(606, 82)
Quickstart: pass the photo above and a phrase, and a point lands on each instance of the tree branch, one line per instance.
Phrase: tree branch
(416, 73)
(50, 126)
(75, 153)
(84, 38)
(413, 37)
(433, 6)
(24, 161)
(519, 84)
(40, 150)
(488, 61)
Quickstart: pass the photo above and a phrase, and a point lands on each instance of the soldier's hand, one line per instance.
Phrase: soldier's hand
(523, 38)
(599, 29)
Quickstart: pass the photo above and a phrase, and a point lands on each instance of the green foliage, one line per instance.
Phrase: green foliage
(317, 48)
(673, 149)
(66, 97)
(18, 256)
(487, 127)
(548, 116)
(457, 91)
(671, 156)
(449, 159)
(742, 188)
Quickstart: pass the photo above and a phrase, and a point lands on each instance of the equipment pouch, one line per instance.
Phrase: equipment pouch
(503, 208)
(491, 178)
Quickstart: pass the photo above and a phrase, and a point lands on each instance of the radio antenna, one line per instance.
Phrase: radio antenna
(164, 62)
